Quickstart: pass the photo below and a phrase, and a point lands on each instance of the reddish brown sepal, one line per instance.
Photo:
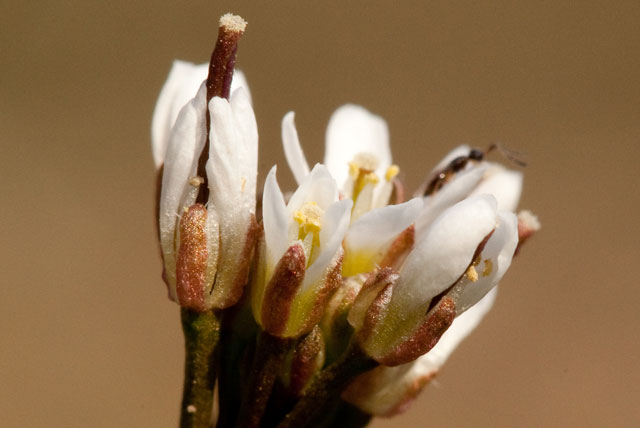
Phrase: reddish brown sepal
(191, 263)
(399, 248)
(329, 284)
(378, 290)
(425, 337)
(304, 363)
(282, 289)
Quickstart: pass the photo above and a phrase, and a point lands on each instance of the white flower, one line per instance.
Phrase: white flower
(231, 172)
(358, 156)
(301, 256)
(408, 313)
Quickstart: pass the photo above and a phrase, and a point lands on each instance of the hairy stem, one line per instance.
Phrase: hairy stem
(201, 334)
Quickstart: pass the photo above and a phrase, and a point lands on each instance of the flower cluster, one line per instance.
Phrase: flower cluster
(343, 287)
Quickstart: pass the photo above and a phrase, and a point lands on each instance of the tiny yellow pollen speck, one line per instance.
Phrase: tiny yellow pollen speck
(472, 274)
(191, 408)
(392, 171)
(244, 182)
(488, 267)
(196, 181)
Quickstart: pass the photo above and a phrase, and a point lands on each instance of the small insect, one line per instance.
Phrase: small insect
(441, 177)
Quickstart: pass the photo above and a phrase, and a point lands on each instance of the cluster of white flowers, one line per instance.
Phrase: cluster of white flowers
(412, 278)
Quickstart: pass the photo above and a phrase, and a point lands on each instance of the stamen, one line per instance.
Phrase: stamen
(223, 60)
(391, 173)
(488, 267)
(309, 217)
(472, 274)
(361, 170)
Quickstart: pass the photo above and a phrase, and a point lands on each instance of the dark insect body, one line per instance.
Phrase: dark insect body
(443, 176)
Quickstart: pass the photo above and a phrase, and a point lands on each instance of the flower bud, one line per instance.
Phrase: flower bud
(304, 361)
(209, 159)
(336, 329)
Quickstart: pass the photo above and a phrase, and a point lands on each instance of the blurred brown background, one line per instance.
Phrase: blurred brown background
(88, 336)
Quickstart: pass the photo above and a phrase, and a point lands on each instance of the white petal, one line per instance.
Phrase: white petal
(334, 226)
(240, 81)
(444, 253)
(185, 144)
(229, 177)
(275, 219)
(352, 130)
(499, 251)
(452, 192)
(292, 149)
(181, 86)
(504, 184)
(319, 186)
(248, 150)
(379, 227)
(231, 170)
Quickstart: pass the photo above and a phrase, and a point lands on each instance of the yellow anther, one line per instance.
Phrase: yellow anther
(488, 267)
(392, 171)
(309, 217)
(354, 170)
(472, 274)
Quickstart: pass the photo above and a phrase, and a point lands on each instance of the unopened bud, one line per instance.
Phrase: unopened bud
(307, 358)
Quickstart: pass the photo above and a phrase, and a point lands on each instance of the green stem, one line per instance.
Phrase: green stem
(267, 363)
(237, 346)
(328, 385)
(201, 334)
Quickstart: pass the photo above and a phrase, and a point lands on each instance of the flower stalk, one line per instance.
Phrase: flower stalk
(201, 335)
(327, 385)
